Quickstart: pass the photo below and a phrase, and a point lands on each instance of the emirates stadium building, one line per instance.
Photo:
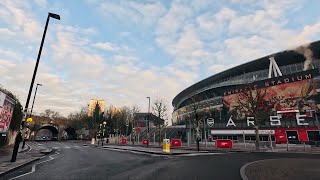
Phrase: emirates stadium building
(290, 81)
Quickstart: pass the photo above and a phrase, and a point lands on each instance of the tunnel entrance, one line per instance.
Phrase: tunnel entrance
(47, 133)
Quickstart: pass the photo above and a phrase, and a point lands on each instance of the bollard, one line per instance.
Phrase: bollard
(288, 145)
(304, 145)
(130, 139)
(154, 138)
(138, 139)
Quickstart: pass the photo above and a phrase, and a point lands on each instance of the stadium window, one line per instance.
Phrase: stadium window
(300, 67)
(293, 69)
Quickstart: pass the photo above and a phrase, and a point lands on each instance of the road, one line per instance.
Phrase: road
(75, 161)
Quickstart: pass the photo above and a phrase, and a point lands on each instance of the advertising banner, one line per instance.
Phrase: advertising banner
(6, 111)
(297, 91)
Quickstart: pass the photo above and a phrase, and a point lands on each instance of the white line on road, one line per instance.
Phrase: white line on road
(200, 154)
(33, 169)
(243, 168)
(67, 147)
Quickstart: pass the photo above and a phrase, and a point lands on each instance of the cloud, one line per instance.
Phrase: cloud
(16, 16)
(146, 13)
(197, 38)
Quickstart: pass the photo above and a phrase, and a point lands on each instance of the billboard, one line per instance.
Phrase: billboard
(6, 111)
(297, 92)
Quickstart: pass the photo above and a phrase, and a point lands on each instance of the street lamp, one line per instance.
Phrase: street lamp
(148, 121)
(18, 137)
(104, 129)
(34, 97)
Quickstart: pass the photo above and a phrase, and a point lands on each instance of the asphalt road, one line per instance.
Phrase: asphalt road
(75, 161)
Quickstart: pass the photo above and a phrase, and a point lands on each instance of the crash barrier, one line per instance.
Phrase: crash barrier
(124, 141)
(145, 142)
(176, 142)
(224, 143)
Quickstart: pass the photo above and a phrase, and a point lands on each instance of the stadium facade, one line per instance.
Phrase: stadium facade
(290, 81)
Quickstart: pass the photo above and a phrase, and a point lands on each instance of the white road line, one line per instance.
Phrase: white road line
(243, 168)
(33, 169)
(76, 146)
(200, 154)
(67, 147)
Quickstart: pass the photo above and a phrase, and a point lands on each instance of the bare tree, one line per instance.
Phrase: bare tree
(134, 110)
(253, 104)
(159, 109)
(195, 108)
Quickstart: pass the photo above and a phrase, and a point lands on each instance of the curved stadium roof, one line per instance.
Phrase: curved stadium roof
(282, 58)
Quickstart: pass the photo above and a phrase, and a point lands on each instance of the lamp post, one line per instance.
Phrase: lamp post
(148, 126)
(34, 97)
(104, 129)
(19, 137)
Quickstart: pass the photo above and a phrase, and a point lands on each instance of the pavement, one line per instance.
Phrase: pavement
(31, 152)
(79, 160)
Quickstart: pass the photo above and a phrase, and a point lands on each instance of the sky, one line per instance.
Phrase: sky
(124, 51)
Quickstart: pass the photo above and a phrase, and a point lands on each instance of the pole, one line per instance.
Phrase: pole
(154, 139)
(34, 97)
(315, 113)
(138, 139)
(17, 140)
(205, 133)
(148, 121)
(270, 140)
(190, 134)
(244, 139)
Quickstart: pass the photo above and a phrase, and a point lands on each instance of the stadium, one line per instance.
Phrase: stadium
(291, 82)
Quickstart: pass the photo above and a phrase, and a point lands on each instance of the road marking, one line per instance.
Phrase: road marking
(67, 147)
(76, 146)
(200, 154)
(243, 168)
(33, 169)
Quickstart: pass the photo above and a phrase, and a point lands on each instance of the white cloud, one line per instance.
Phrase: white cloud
(106, 46)
(146, 13)
(16, 16)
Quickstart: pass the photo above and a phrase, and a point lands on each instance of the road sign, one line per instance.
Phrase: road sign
(210, 122)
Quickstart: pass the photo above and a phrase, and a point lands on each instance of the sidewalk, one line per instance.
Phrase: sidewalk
(283, 169)
(30, 153)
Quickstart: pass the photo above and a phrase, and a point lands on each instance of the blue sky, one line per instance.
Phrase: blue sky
(123, 51)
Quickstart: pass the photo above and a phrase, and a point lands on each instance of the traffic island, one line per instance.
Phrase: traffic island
(281, 169)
